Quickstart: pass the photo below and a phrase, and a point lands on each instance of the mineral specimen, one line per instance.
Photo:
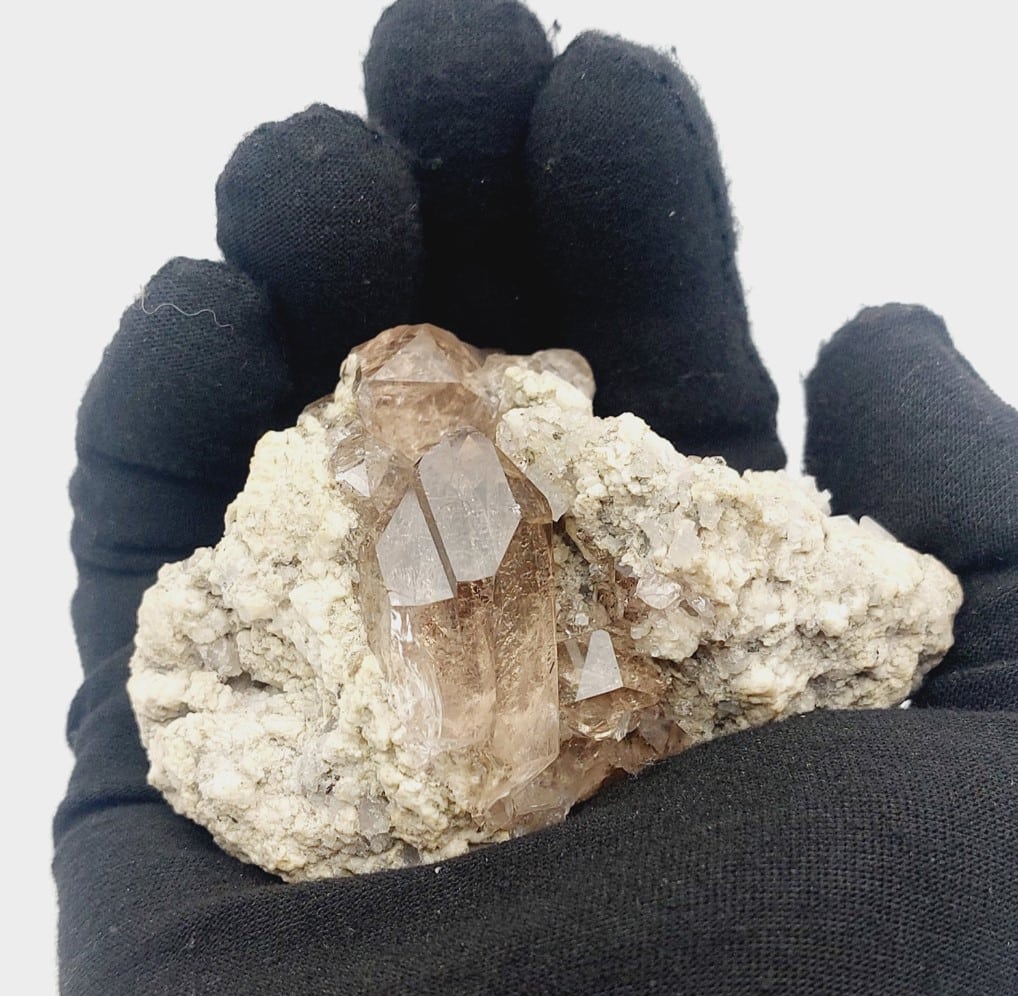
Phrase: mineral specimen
(450, 603)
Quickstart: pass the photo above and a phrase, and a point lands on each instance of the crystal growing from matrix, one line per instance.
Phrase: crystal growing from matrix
(464, 621)
(598, 670)
(450, 603)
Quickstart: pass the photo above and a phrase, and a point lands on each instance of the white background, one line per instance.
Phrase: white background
(870, 151)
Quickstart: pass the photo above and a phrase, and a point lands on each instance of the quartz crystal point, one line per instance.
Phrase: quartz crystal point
(450, 604)
(410, 387)
(465, 625)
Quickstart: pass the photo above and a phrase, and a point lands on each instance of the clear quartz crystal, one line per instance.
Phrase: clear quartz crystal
(458, 588)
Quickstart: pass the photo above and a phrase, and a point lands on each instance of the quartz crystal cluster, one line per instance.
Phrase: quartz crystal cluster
(451, 603)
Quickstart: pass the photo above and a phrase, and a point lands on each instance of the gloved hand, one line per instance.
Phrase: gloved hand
(525, 202)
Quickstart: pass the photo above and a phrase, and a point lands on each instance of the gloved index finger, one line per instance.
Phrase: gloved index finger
(322, 211)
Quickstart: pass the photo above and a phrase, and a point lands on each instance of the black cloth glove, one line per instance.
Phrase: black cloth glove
(526, 201)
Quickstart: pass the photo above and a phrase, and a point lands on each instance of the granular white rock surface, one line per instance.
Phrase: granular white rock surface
(266, 716)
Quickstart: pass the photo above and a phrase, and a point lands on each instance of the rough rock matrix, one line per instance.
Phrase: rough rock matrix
(450, 603)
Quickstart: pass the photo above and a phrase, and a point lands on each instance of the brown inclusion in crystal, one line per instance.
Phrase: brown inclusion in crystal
(458, 590)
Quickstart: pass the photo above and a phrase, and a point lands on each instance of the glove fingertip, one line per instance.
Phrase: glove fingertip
(455, 82)
(902, 428)
(190, 380)
(874, 325)
(636, 243)
(323, 211)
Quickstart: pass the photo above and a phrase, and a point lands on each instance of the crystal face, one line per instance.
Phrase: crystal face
(470, 502)
(457, 585)
(412, 389)
(408, 556)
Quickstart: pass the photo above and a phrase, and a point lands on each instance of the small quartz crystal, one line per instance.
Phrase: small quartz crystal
(451, 603)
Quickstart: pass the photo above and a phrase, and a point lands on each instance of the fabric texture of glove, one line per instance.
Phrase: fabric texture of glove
(528, 201)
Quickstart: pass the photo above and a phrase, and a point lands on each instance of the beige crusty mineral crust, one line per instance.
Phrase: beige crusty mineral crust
(266, 715)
